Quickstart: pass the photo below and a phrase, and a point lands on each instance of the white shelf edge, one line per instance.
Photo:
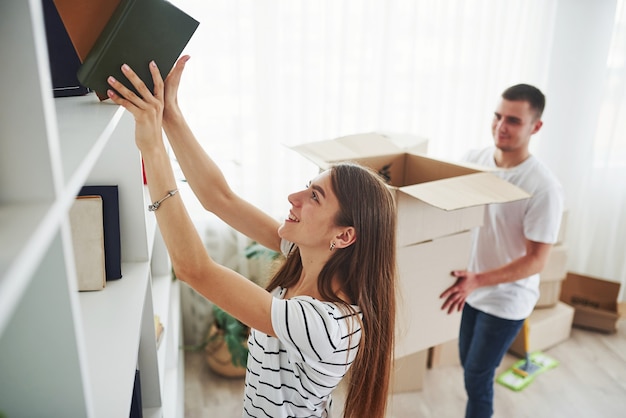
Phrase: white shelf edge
(24, 250)
(161, 290)
(80, 119)
(111, 320)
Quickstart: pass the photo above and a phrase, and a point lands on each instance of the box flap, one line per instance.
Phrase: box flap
(408, 143)
(350, 147)
(466, 191)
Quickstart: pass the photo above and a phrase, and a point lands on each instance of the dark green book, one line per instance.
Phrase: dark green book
(138, 32)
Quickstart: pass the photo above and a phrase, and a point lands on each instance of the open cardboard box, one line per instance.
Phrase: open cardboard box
(434, 197)
(595, 301)
(438, 202)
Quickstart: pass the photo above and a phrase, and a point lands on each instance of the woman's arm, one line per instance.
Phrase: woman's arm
(205, 177)
(229, 290)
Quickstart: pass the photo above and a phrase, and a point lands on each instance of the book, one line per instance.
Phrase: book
(88, 242)
(111, 225)
(84, 21)
(136, 404)
(62, 57)
(158, 330)
(138, 32)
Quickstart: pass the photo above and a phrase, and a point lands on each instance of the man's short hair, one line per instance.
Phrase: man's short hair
(527, 93)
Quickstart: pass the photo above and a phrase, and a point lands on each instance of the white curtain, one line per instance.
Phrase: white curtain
(267, 74)
(599, 224)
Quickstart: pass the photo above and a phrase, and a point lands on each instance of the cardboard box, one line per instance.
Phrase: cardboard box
(435, 198)
(547, 328)
(444, 354)
(408, 372)
(556, 264)
(595, 301)
(549, 293)
(438, 202)
(553, 273)
(424, 273)
(563, 228)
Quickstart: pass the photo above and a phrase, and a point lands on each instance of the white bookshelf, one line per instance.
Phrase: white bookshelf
(65, 353)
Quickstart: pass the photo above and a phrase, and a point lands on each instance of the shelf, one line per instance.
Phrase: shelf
(170, 356)
(161, 293)
(111, 320)
(85, 125)
(174, 377)
(64, 352)
(26, 234)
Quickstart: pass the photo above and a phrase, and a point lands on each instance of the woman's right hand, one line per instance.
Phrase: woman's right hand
(171, 109)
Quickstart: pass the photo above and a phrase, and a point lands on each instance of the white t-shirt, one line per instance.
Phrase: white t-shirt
(501, 238)
(294, 374)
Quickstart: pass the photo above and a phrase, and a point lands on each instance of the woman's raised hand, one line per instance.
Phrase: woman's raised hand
(172, 81)
(147, 109)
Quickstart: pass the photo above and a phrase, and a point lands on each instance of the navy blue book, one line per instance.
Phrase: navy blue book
(62, 56)
(111, 219)
(136, 408)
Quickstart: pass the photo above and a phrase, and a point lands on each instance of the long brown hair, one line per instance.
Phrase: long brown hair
(366, 271)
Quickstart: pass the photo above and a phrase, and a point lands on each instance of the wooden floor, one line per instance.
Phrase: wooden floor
(590, 381)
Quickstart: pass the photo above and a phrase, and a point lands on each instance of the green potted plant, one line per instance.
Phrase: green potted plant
(226, 344)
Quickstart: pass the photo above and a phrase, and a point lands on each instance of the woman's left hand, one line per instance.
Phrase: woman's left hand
(147, 109)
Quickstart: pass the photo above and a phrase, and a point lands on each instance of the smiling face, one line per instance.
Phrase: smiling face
(311, 220)
(514, 122)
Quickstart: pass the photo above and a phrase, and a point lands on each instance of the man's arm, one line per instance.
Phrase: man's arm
(531, 263)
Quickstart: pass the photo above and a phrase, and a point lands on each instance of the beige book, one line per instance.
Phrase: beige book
(158, 329)
(88, 242)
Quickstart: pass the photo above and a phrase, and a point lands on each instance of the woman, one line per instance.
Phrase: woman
(329, 309)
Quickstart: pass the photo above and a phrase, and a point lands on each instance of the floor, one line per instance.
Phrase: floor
(590, 381)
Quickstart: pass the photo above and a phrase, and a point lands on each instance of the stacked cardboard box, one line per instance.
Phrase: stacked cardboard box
(409, 372)
(555, 270)
(552, 277)
(438, 204)
(551, 321)
(547, 328)
(444, 354)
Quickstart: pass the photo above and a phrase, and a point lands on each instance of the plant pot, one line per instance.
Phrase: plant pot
(218, 356)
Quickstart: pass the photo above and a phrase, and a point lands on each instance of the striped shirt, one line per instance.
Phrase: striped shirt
(294, 374)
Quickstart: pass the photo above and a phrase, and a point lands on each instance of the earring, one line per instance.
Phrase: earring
(332, 245)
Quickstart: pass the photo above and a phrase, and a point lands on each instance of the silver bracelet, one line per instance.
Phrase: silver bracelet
(156, 204)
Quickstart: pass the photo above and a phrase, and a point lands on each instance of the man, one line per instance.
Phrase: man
(501, 285)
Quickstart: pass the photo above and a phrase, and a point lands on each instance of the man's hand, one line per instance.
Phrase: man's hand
(456, 294)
